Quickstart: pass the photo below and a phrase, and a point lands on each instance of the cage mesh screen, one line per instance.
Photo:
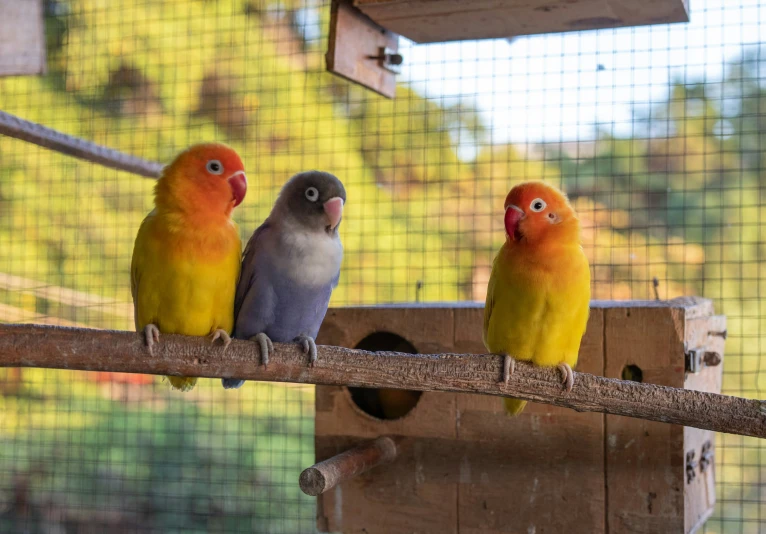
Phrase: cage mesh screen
(656, 133)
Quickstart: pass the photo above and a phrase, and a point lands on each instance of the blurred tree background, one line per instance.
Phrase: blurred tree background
(679, 202)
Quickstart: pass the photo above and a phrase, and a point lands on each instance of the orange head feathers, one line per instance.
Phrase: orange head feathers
(537, 214)
(205, 179)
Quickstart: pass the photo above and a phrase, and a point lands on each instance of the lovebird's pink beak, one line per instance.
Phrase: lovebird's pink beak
(238, 184)
(513, 215)
(333, 208)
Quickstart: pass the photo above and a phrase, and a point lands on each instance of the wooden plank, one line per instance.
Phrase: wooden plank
(22, 37)
(430, 332)
(12, 314)
(699, 494)
(518, 467)
(644, 464)
(353, 40)
(433, 416)
(646, 461)
(404, 495)
(429, 21)
(415, 493)
(65, 296)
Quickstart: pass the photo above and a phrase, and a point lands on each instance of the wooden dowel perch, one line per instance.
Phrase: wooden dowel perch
(327, 474)
(37, 134)
(102, 350)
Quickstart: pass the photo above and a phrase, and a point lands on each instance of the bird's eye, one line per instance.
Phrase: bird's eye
(537, 204)
(214, 167)
(312, 193)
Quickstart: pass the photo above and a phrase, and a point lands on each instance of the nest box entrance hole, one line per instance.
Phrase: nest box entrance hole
(385, 403)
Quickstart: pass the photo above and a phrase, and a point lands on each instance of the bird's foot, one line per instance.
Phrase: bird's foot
(567, 376)
(152, 335)
(309, 347)
(266, 346)
(224, 335)
(509, 366)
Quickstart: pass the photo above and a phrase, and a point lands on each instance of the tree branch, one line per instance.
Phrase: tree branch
(102, 350)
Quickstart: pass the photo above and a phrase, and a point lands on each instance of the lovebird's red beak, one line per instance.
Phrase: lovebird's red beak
(238, 184)
(333, 208)
(513, 215)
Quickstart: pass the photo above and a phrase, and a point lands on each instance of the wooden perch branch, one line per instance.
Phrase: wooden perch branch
(101, 350)
(37, 134)
(325, 475)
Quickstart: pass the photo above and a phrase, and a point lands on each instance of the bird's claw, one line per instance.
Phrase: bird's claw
(567, 377)
(509, 366)
(152, 335)
(266, 347)
(309, 347)
(224, 335)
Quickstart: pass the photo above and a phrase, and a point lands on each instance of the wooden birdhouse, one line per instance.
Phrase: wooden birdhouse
(463, 465)
(22, 37)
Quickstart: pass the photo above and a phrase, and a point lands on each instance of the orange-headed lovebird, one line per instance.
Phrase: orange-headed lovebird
(539, 291)
(186, 259)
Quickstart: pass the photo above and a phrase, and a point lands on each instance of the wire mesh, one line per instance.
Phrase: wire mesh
(657, 134)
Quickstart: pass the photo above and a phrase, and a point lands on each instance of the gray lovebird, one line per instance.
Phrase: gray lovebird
(290, 267)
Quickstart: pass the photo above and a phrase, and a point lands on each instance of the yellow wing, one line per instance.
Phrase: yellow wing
(136, 263)
(537, 315)
(180, 286)
(489, 305)
(515, 312)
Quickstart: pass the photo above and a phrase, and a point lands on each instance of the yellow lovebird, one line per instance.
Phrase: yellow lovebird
(538, 296)
(186, 259)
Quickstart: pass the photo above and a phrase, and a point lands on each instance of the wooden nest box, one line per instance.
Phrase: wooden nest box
(464, 466)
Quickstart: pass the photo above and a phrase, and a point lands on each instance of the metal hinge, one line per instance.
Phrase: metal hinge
(691, 466)
(706, 458)
(698, 358)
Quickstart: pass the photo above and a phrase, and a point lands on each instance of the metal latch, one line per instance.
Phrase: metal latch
(389, 59)
(698, 358)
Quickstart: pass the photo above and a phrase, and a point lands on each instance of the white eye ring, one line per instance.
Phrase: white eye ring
(312, 193)
(538, 204)
(214, 167)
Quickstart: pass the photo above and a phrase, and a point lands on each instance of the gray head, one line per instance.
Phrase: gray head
(314, 199)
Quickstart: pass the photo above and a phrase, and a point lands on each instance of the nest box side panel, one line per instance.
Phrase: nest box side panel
(645, 471)
(707, 333)
(542, 471)
(22, 37)
(410, 494)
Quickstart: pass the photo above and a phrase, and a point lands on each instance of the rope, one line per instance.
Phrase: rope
(37, 134)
